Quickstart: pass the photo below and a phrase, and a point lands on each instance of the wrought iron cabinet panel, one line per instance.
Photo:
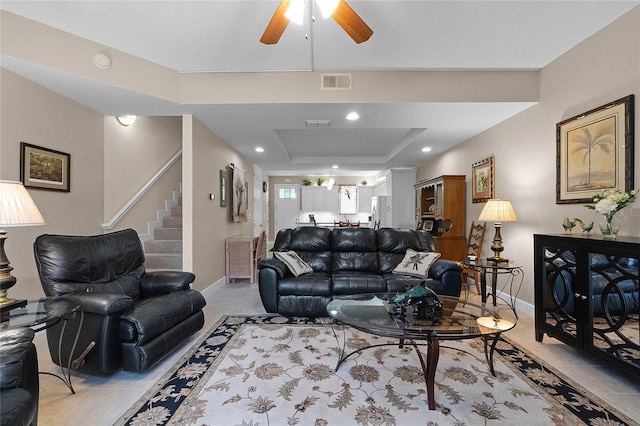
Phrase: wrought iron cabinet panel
(586, 295)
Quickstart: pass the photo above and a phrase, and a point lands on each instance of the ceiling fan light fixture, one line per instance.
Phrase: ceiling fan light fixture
(295, 11)
(327, 7)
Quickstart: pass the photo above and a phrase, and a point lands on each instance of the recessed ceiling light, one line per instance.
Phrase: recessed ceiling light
(426, 149)
(353, 116)
(259, 149)
(335, 166)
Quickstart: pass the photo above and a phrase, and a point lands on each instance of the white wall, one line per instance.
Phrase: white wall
(599, 70)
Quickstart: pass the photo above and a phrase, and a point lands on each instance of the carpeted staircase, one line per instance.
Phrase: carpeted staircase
(164, 251)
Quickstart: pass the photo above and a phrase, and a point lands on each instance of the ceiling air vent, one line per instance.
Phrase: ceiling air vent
(336, 82)
(317, 123)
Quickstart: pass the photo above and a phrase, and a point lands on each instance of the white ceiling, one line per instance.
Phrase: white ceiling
(223, 36)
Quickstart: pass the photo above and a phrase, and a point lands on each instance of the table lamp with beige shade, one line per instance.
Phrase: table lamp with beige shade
(16, 209)
(497, 211)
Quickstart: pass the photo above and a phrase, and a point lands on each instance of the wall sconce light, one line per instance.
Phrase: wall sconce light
(126, 120)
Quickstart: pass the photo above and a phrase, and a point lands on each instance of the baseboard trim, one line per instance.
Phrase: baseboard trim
(209, 290)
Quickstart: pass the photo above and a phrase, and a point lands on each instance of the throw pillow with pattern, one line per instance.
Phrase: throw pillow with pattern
(296, 265)
(416, 263)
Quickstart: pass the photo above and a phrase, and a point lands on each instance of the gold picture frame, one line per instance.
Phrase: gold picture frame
(594, 152)
(483, 180)
(44, 168)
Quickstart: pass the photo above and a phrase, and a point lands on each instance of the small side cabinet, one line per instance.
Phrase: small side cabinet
(586, 295)
(240, 260)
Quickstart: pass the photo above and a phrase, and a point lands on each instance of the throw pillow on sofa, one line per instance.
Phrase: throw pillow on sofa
(296, 265)
(416, 264)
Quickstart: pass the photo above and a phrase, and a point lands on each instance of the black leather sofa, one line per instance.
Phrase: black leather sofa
(134, 317)
(19, 382)
(347, 261)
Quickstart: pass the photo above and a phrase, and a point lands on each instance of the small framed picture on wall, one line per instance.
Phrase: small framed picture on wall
(44, 168)
(483, 180)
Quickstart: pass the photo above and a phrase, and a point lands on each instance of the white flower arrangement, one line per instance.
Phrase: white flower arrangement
(610, 202)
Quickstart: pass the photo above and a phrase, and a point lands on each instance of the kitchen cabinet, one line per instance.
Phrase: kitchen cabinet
(319, 199)
(364, 199)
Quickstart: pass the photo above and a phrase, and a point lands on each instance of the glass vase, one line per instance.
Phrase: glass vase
(609, 226)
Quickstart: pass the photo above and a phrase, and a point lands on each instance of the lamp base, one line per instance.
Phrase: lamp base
(6, 279)
(4, 300)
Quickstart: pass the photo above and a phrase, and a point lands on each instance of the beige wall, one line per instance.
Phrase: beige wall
(106, 169)
(30, 113)
(133, 155)
(603, 68)
(207, 225)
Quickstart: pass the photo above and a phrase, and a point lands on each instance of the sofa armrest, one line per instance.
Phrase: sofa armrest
(278, 266)
(106, 304)
(446, 277)
(441, 266)
(13, 347)
(165, 282)
(268, 287)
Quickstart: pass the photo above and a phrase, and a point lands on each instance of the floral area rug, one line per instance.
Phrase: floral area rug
(272, 370)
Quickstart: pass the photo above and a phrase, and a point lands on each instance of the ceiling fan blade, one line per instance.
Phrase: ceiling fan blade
(353, 24)
(277, 25)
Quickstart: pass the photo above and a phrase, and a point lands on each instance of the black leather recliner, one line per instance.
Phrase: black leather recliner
(19, 382)
(133, 317)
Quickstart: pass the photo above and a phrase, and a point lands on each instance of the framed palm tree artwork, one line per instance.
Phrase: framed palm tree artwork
(594, 152)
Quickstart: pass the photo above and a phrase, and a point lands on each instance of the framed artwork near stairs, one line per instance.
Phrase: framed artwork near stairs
(223, 188)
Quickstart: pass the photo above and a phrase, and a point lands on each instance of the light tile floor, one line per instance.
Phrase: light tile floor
(102, 400)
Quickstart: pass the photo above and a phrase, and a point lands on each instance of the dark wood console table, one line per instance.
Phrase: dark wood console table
(587, 296)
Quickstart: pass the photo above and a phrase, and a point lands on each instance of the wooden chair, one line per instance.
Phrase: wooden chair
(376, 225)
(474, 248)
(260, 253)
(354, 224)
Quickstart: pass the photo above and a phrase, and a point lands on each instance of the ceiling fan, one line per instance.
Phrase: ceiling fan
(341, 12)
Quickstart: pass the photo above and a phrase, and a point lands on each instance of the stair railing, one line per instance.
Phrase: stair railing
(116, 218)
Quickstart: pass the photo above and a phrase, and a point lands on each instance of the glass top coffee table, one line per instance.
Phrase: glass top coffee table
(377, 314)
(44, 313)
(40, 314)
